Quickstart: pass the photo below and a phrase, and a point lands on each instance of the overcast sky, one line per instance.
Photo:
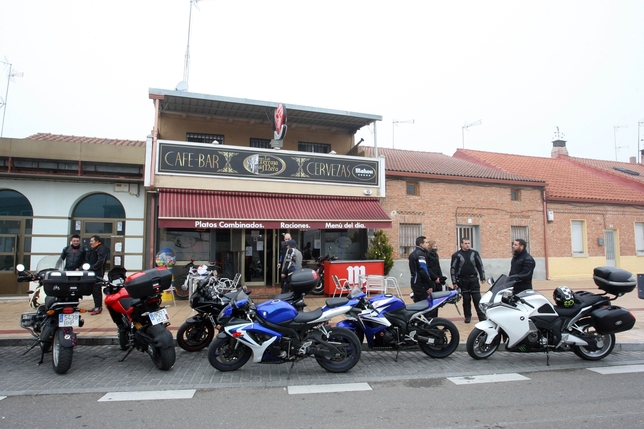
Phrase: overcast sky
(521, 67)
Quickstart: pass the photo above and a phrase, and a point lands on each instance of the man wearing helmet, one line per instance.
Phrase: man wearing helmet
(521, 267)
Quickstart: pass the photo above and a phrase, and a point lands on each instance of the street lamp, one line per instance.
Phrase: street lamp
(615, 137)
(466, 126)
(10, 78)
(393, 129)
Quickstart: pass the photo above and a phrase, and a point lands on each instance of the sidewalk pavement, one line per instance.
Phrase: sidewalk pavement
(100, 330)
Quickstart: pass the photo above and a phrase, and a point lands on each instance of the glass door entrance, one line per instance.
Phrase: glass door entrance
(259, 266)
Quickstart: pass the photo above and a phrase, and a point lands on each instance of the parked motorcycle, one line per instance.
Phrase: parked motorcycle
(388, 323)
(53, 322)
(274, 332)
(583, 322)
(319, 268)
(195, 272)
(134, 305)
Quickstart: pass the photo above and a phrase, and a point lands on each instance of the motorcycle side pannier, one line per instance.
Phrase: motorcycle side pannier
(611, 320)
(614, 280)
(304, 280)
(73, 284)
(148, 282)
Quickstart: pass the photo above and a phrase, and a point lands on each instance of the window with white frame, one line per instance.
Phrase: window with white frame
(520, 232)
(639, 238)
(577, 234)
(469, 232)
(407, 235)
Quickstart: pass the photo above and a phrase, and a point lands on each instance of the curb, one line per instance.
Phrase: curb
(113, 341)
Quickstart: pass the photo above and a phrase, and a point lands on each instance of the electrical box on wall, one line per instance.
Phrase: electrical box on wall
(121, 187)
(551, 216)
(600, 241)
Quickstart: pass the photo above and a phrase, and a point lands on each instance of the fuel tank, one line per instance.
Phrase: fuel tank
(276, 311)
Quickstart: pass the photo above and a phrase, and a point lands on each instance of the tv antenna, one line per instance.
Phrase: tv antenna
(183, 85)
(466, 126)
(393, 129)
(11, 75)
(615, 136)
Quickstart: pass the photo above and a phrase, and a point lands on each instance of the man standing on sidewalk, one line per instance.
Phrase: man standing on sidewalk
(521, 267)
(466, 269)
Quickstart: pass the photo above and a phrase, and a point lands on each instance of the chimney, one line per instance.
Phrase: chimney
(632, 160)
(558, 148)
(642, 156)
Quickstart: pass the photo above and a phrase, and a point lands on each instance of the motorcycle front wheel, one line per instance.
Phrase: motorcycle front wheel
(124, 338)
(61, 357)
(605, 342)
(179, 292)
(351, 349)
(446, 338)
(476, 346)
(228, 354)
(195, 336)
(163, 358)
(319, 287)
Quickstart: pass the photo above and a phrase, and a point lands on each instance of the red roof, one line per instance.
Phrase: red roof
(86, 140)
(568, 179)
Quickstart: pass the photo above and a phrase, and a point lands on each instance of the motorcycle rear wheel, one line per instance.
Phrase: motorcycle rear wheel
(61, 357)
(476, 346)
(163, 358)
(124, 338)
(319, 287)
(195, 336)
(352, 349)
(446, 337)
(228, 354)
(608, 341)
(179, 293)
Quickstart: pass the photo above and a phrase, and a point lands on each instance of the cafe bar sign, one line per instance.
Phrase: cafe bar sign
(240, 162)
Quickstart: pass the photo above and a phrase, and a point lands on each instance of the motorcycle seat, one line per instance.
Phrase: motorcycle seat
(49, 301)
(336, 302)
(288, 296)
(308, 316)
(587, 298)
(418, 306)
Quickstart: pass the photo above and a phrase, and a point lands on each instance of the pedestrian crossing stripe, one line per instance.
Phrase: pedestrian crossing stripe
(491, 378)
(328, 388)
(148, 395)
(622, 369)
(2, 397)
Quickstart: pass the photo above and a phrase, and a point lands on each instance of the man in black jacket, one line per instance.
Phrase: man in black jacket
(97, 257)
(74, 254)
(466, 269)
(521, 267)
(422, 279)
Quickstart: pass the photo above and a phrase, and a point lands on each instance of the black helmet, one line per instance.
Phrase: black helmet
(564, 297)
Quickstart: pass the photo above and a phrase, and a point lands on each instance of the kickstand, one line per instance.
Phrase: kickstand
(127, 354)
(397, 352)
(30, 348)
(288, 374)
(547, 357)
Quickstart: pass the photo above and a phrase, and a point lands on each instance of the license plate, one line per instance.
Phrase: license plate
(68, 319)
(159, 316)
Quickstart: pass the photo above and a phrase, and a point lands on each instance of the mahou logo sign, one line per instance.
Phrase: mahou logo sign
(280, 122)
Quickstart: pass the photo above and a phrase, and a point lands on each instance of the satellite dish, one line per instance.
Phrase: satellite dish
(182, 86)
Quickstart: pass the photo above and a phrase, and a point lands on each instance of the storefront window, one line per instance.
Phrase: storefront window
(186, 244)
(346, 245)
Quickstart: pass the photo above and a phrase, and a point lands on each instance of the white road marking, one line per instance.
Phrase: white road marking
(148, 395)
(2, 397)
(328, 388)
(492, 378)
(624, 369)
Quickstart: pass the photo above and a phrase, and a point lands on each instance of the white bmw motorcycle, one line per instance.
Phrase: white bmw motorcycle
(583, 322)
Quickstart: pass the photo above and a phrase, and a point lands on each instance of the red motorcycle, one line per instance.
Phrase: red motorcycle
(319, 268)
(134, 303)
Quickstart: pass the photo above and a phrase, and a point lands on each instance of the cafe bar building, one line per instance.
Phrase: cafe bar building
(226, 178)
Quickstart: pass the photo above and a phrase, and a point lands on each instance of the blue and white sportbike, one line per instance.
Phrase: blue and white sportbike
(274, 332)
(388, 323)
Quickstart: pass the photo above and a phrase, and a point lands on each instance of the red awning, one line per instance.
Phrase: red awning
(213, 209)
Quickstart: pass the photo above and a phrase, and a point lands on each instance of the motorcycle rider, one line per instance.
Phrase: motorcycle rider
(292, 262)
(466, 269)
(74, 254)
(97, 257)
(521, 266)
(422, 279)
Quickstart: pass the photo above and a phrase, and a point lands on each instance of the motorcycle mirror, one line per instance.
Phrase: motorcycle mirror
(85, 266)
(490, 281)
(20, 267)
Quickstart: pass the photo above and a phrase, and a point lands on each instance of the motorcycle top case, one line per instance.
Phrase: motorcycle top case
(148, 282)
(69, 283)
(614, 280)
(304, 280)
(612, 319)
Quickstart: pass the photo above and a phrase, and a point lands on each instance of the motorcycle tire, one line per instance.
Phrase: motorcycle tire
(608, 343)
(61, 357)
(124, 338)
(179, 293)
(319, 287)
(45, 346)
(352, 351)
(476, 346)
(228, 354)
(193, 337)
(163, 358)
(446, 338)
